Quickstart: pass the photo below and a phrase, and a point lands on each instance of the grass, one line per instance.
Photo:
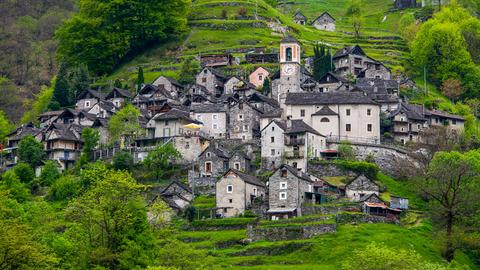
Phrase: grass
(403, 189)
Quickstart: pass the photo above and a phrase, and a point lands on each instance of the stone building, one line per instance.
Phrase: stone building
(236, 191)
(170, 84)
(287, 189)
(360, 187)
(384, 92)
(244, 121)
(299, 18)
(103, 108)
(352, 60)
(324, 22)
(337, 115)
(217, 60)
(101, 125)
(119, 97)
(258, 76)
(170, 124)
(331, 82)
(177, 195)
(261, 58)
(273, 144)
(88, 98)
(240, 162)
(63, 143)
(213, 161)
(213, 117)
(237, 85)
(151, 98)
(211, 79)
(263, 103)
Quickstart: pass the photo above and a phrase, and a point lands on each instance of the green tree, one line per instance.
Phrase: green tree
(266, 87)
(61, 90)
(160, 160)
(451, 185)
(345, 151)
(190, 68)
(50, 173)
(122, 160)
(24, 172)
(124, 125)
(80, 81)
(31, 151)
(64, 188)
(354, 12)
(5, 127)
(90, 139)
(140, 79)
(114, 227)
(11, 183)
(40, 105)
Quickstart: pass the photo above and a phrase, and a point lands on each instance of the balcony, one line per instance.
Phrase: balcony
(294, 154)
(295, 142)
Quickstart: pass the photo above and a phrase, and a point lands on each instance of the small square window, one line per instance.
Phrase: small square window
(272, 139)
(236, 165)
(272, 152)
(229, 189)
(166, 123)
(284, 173)
(273, 128)
(204, 80)
(87, 104)
(348, 112)
(245, 128)
(215, 126)
(215, 116)
(283, 185)
(230, 200)
(283, 195)
(369, 127)
(240, 117)
(302, 113)
(348, 127)
(208, 154)
(369, 111)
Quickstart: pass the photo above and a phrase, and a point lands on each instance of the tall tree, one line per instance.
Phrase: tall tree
(354, 11)
(5, 127)
(62, 86)
(80, 82)
(90, 139)
(124, 125)
(452, 187)
(266, 87)
(190, 68)
(140, 79)
(159, 161)
(452, 88)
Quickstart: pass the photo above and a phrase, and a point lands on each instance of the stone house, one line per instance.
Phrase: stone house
(299, 18)
(217, 60)
(170, 84)
(103, 108)
(151, 98)
(384, 92)
(213, 161)
(236, 191)
(240, 162)
(337, 115)
(331, 82)
(14, 137)
(170, 124)
(70, 116)
(267, 117)
(211, 79)
(261, 58)
(63, 143)
(244, 121)
(258, 76)
(46, 118)
(359, 187)
(236, 85)
(324, 22)
(287, 189)
(101, 125)
(177, 195)
(371, 198)
(273, 144)
(88, 98)
(353, 60)
(119, 97)
(213, 117)
(262, 102)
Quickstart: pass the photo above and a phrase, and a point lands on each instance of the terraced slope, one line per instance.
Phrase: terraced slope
(239, 26)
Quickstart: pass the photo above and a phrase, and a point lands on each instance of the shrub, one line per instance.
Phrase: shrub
(345, 151)
(361, 167)
(65, 188)
(49, 174)
(24, 172)
(11, 183)
(224, 14)
(242, 12)
(123, 161)
(190, 213)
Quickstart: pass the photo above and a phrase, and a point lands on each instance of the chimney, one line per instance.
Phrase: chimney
(289, 123)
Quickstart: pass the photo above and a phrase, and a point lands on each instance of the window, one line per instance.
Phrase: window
(187, 145)
(272, 152)
(283, 195)
(236, 165)
(208, 154)
(369, 127)
(288, 54)
(204, 80)
(229, 189)
(87, 104)
(454, 122)
(240, 117)
(230, 200)
(215, 116)
(302, 113)
(369, 111)
(166, 132)
(418, 126)
(166, 122)
(254, 192)
(284, 173)
(208, 167)
(245, 128)
(240, 106)
(272, 139)
(215, 126)
(225, 210)
(260, 77)
(348, 112)
(348, 127)
(309, 188)
(273, 128)
(324, 120)
(283, 185)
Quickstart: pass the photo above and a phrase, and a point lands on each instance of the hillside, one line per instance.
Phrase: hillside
(216, 26)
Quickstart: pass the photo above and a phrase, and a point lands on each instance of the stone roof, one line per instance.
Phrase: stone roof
(414, 112)
(178, 183)
(349, 50)
(262, 98)
(65, 131)
(217, 150)
(446, 115)
(93, 93)
(335, 76)
(100, 122)
(207, 108)
(327, 98)
(23, 131)
(297, 173)
(299, 16)
(120, 92)
(247, 178)
(289, 39)
(275, 113)
(324, 14)
(175, 114)
(325, 110)
(298, 126)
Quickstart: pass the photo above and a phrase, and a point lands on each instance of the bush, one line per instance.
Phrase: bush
(222, 222)
(11, 183)
(361, 167)
(345, 151)
(123, 161)
(65, 188)
(224, 14)
(24, 172)
(242, 12)
(49, 174)
(190, 213)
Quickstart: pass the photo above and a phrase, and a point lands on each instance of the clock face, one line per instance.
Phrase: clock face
(289, 69)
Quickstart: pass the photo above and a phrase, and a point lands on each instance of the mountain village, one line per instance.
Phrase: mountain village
(222, 126)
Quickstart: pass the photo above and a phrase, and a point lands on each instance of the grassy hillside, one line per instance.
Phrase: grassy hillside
(241, 25)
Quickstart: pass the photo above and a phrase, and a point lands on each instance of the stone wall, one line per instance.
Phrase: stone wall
(348, 218)
(288, 233)
(328, 169)
(329, 209)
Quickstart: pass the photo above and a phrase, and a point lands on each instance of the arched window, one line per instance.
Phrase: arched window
(288, 53)
(324, 120)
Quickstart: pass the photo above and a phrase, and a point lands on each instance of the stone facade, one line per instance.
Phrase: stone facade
(289, 233)
(273, 145)
(213, 161)
(235, 192)
(324, 22)
(211, 79)
(353, 60)
(244, 121)
(169, 84)
(240, 162)
(361, 186)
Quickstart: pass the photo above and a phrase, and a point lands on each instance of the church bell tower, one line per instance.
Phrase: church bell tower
(290, 72)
